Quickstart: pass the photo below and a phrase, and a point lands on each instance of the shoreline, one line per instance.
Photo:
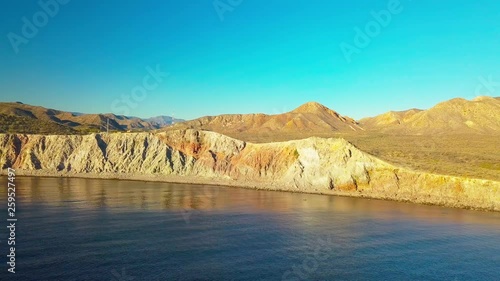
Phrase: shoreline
(313, 166)
(194, 180)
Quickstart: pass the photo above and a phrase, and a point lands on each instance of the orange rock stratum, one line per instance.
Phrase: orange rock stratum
(315, 165)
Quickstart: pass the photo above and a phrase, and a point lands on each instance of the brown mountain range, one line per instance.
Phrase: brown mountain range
(457, 116)
(43, 120)
(480, 115)
(311, 119)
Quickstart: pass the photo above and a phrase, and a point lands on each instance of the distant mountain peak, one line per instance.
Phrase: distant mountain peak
(312, 107)
(310, 119)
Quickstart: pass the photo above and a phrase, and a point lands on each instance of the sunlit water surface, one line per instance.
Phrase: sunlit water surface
(84, 229)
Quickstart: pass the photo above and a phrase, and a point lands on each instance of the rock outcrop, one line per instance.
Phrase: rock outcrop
(314, 165)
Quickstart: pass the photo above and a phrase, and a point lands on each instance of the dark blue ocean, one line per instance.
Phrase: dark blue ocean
(86, 229)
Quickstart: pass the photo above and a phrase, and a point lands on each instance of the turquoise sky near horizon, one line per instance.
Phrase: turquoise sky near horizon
(258, 56)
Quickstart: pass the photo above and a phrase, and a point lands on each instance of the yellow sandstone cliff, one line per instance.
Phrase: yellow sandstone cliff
(313, 165)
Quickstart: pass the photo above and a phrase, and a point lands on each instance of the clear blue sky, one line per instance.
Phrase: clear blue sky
(264, 56)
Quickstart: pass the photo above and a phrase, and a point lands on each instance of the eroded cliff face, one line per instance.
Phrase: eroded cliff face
(315, 165)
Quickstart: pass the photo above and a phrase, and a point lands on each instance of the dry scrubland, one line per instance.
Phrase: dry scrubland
(475, 156)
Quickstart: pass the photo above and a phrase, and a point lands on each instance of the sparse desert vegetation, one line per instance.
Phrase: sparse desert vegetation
(476, 156)
(25, 125)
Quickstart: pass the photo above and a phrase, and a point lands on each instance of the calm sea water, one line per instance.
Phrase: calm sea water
(82, 229)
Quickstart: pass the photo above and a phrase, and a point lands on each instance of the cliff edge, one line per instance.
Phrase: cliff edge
(313, 165)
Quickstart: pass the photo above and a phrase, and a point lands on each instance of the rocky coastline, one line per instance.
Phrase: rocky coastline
(330, 166)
